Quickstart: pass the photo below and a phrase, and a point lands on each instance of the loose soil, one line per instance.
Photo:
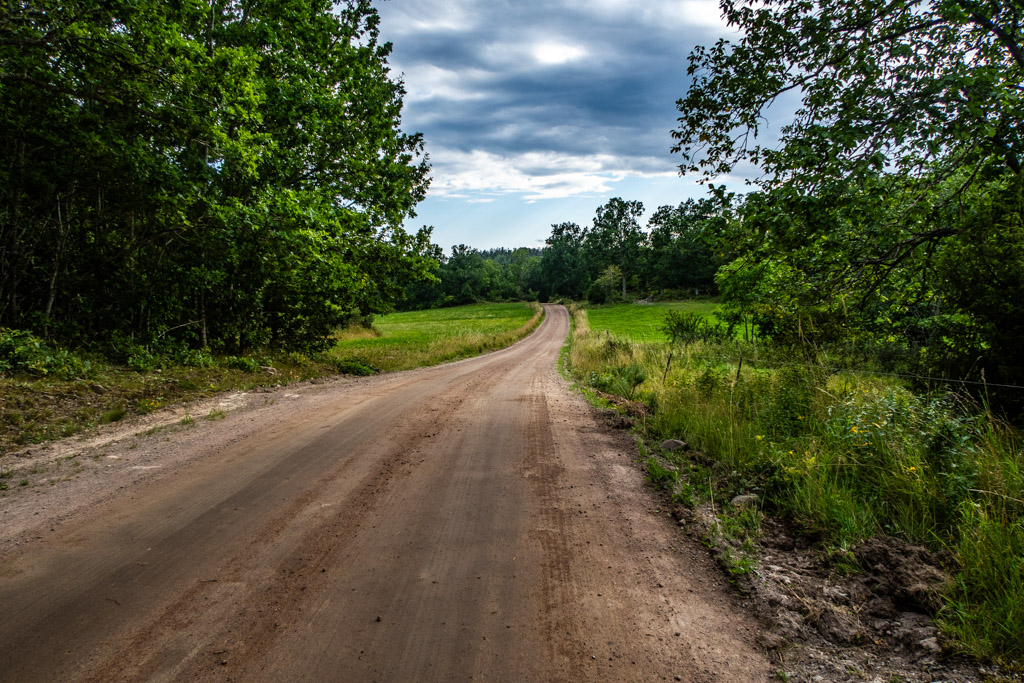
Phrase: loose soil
(468, 521)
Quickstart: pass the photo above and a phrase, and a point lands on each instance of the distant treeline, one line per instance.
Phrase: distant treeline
(677, 254)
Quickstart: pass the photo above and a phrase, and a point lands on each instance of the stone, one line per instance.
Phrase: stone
(673, 445)
(745, 500)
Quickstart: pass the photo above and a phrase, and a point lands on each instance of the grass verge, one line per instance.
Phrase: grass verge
(843, 456)
(80, 395)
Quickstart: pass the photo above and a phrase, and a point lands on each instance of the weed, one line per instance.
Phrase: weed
(660, 476)
(241, 363)
(216, 414)
(187, 420)
(113, 415)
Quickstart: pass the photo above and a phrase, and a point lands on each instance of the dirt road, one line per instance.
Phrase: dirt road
(470, 521)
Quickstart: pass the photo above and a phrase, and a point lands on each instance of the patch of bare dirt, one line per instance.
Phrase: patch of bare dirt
(868, 616)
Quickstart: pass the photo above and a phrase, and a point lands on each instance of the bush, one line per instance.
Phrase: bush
(690, 327)
(23, 353)
(241, 363)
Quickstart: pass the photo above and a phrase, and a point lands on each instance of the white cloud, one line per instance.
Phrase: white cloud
(557, 53)
(658, 13)
(428, 82)
(418, 17)
(699, 13)
(535, 175)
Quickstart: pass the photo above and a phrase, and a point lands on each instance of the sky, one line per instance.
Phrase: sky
(537, 112)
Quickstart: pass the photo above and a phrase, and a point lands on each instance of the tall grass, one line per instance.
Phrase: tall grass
(844, 455)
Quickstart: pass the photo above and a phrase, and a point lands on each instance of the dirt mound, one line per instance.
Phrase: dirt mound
(863, 615)
(901, 577)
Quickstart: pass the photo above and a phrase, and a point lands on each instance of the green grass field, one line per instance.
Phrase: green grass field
(642, 322)
(400, 341)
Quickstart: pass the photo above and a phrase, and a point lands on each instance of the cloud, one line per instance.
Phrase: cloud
(483, 175)
(545, 98)
(550, 53)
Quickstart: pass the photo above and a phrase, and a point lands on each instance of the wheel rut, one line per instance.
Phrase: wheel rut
(469, 521)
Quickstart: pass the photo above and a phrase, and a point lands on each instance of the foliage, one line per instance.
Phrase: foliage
(23, 353)
(843, 455)
(470, 276)
(603, 290)
(157, 186)
(907, 85)
(687, 327)
(354, 366)
(684, 246)
(616, 238)
(889, 206)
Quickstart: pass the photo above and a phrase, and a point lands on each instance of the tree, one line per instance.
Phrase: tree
(914, 87)
(909, 120)
(683, 241)
(563, 266)
(230, 172)
(904, 105)
(616, 238)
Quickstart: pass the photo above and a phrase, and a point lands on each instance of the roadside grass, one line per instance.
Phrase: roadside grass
(400, 341)
(34, 409)
(844, 456)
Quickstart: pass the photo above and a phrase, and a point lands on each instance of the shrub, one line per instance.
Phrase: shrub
(242, 363)
(23, 353)
(689, 327)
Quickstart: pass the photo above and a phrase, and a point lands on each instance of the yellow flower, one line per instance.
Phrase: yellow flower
(854, 429)
(799, 417)
(759, 437)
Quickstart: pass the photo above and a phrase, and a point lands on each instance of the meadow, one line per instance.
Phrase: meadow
(400, 341)
(842, 455)
(642, 322)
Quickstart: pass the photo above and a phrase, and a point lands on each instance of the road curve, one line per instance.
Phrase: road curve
(469, 521)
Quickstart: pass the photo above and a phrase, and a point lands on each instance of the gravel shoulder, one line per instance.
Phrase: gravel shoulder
(472, 520)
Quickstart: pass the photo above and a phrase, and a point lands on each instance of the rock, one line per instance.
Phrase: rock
(746, 500)
(673, 445)
(268, 369)
(930, 645)
(98, 388)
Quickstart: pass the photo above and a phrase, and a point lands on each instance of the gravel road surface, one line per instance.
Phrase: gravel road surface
(472, 521)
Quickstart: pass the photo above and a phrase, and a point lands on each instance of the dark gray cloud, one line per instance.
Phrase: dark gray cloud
(544, 98)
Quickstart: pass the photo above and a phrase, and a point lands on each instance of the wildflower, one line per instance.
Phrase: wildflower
(854, 429)
(759, 437)
(799, 417)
